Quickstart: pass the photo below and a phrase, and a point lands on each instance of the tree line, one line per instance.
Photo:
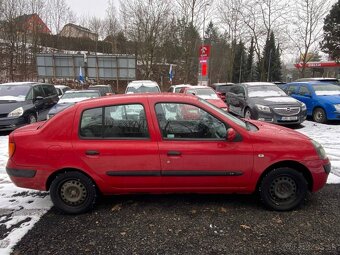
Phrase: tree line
(248, 38)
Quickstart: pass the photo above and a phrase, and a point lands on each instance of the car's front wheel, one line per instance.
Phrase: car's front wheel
(319, 115)
(31, 118)
(283, 189)
(73, 192)
(247, 114)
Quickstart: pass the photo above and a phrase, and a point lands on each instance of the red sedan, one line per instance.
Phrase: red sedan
(139, 144)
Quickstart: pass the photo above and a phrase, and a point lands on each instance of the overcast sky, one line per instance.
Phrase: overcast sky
(90, 7)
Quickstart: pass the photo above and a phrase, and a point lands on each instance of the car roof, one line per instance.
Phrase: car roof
(199, 87)
(136, 97)
(258, 83)
(181, 85)
(80, 91)
(98, 86)
(318, 79)
(21, 83)
(138, 83)
(310, 82)
(61, 86)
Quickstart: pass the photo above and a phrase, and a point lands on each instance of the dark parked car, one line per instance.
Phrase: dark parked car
(70, 98)
(105, 90)
(100, 146)
(222, 89)
(322, 99)
(266, 102)
(25, 102)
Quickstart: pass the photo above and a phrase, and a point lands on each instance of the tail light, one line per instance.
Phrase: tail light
(11, 149)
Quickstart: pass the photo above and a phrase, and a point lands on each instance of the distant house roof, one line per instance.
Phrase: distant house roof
(80, 28)
(31, 22)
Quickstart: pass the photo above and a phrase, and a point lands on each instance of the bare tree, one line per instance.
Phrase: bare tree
(58, 14)
(193, 11)
(11, 9)
(306, 29)
(146, 23)
(231, 19)
(111, 25)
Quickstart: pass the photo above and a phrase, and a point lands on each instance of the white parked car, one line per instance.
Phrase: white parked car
(177, 88)
(61, 89)
(142, 86)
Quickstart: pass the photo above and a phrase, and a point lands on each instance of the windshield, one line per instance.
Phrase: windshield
(326, 89)
(234, 119)
(14, 92)
(204, 93)
(265, 91)
(142, 89)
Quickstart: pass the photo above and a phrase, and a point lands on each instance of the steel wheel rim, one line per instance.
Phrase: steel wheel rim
(283, 189)
(319, 116)
(73, 192)
(32, 119)
(247, 114)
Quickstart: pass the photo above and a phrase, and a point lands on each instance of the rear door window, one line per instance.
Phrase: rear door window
(115, 122)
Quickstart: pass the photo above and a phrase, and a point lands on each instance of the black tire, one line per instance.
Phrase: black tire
(283, 189)
(73, 193)
(319, 115)
(31, 118)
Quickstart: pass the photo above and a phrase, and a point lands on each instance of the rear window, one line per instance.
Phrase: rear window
(49, 90)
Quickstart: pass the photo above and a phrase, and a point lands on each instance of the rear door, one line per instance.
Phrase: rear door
(194, 152)
(114, 142)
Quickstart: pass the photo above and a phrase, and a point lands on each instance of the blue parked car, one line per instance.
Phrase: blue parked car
(322, 99)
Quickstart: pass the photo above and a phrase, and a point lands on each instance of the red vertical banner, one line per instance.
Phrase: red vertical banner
(204, 69)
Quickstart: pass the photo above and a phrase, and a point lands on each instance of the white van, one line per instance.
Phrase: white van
(142, 86)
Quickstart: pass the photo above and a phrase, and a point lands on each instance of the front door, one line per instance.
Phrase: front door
(194, 152)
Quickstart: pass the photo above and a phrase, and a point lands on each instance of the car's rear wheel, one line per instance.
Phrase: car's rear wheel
(283, 189)
(247, 114)
(31, 118)
(73, 192)
(319, 115)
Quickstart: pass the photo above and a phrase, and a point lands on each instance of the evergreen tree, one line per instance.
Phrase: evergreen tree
(331, 28)
(270, 64)
(240, 63)
(249, 70)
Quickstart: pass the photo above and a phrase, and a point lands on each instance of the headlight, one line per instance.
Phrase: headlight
(303, 107)
(319, 149)
(337, 107)
(263, 108)
(16, 113)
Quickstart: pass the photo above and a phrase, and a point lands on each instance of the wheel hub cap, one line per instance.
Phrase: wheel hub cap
(73, 192)
(283, 188)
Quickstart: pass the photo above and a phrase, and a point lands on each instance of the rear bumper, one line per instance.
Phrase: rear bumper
(26, 177)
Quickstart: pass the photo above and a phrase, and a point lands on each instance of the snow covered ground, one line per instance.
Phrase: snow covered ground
(20, 208)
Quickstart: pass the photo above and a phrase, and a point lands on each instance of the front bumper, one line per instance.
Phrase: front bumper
(275, 118)
(8, 123)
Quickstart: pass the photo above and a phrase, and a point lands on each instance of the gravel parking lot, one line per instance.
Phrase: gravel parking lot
(190, 224)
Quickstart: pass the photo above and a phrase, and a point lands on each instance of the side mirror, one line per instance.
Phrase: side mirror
(231, 134)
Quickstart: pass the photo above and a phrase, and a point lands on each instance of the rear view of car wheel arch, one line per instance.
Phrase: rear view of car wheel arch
(73, 192)
(283, 189)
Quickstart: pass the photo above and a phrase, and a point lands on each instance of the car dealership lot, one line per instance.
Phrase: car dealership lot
(129, 220)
